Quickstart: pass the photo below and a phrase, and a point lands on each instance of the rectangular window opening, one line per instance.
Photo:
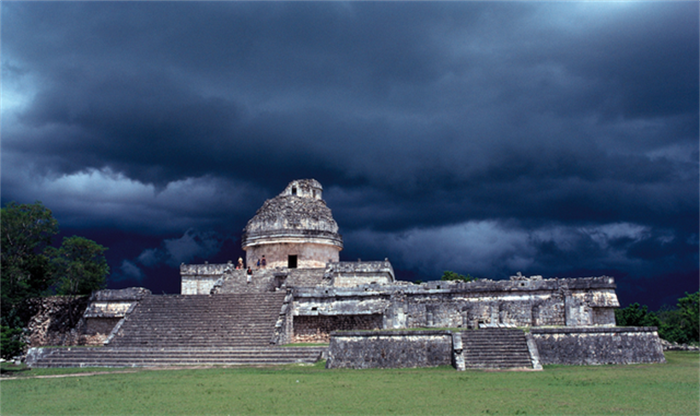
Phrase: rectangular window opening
(292, 261)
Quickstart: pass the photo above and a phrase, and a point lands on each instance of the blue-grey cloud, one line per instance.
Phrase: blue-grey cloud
(423, 120)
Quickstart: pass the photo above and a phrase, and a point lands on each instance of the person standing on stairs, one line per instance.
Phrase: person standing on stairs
(249, 273)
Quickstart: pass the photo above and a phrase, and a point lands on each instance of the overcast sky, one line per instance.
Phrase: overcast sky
(558, 139)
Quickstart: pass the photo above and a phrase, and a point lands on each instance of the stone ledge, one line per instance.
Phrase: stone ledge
(546, 286)
(592, 329)
(130, 293)
(390, 333)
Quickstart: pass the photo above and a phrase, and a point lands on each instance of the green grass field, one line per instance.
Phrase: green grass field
(671, 388)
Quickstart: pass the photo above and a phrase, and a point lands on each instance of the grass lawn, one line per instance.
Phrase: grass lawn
(671, 388)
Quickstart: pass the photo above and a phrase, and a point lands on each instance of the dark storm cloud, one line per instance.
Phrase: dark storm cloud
(526, 122)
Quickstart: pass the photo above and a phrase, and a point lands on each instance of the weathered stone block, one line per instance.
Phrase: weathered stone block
(319, 328)
(598, 345)
(389, 349)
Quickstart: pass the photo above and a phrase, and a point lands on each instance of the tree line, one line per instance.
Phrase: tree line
(679, 324)
(32, 267)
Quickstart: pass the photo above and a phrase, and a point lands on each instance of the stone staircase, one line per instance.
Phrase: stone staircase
(163, 357)
(263, 281)
(217, 321)
(496, 348)
(226, 329)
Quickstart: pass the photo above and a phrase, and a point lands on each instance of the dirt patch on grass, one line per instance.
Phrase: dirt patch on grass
(95, 373)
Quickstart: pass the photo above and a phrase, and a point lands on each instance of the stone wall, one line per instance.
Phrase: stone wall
(284, 326)
(236, 281)
(306, 277)
(199, 279)
(308, 255)
(484, 303)
(351, 274)
(598, 345)
(318, 328)
(57, 321)
(389, 349)
(204, 279)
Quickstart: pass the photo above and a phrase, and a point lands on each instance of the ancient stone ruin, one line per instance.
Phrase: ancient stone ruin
(300, 292)
(294, 230)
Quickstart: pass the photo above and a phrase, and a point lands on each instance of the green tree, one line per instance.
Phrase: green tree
(670, 325)
(450, 275)
(11, 344)
(32, 268)
(79, 266)
(26, 230)
(636, 315)
(679, 324)
(689, 307)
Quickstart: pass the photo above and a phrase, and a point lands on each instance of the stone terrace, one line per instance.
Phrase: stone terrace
(233, 329)
(246, 319)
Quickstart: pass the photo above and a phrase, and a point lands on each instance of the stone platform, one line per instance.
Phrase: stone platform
(164, 357)
(168, 330)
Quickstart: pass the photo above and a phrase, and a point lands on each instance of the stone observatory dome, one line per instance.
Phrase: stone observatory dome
(293, 229)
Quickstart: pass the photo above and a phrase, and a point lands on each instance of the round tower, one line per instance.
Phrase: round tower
(295, 229)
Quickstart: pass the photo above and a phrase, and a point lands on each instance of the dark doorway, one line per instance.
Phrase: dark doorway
(292, 262)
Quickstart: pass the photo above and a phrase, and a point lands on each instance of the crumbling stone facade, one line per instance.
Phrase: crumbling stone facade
(57, 320)
(79, 321)
(108, 307)
(485, 303)
(294, 229)
(317, 328)
(352, 274)
(200, 279)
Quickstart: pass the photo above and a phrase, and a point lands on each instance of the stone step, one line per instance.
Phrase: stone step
(170, 343)
(171, 357)
(193, 352)
(135, 357)
(229, 333)
(496, 348)
(233, 326)
(207, 344)
(202, 320)
(194, 323)
(482, 359)
(496, 354)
